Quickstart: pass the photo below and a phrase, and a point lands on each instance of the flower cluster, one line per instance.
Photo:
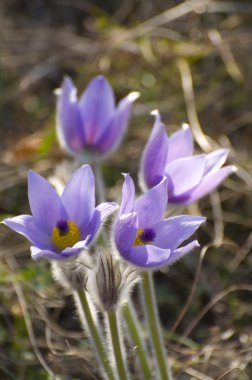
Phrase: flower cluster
(62, 226)
(66, 221)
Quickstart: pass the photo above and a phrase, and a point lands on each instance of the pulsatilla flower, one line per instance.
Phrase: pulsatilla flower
(190, 177)
(91, 127)
(61, 227)
(142, 237)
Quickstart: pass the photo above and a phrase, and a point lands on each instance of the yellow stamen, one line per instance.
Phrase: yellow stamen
(68, 239)
(138, 238)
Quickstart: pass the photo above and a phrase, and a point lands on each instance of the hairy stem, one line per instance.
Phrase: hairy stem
(154, 326)
(114, 331)
(99, 182)
(137, 339)
(93, 333)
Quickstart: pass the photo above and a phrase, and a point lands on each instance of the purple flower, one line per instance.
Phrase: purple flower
(142, 237)
(61, 227)
(92, 127)
(190, 177)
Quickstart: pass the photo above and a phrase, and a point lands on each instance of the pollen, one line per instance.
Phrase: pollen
(65, 234)
(144, 236)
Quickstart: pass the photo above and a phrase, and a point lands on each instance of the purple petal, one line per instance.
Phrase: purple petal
(215, 160)
(209, 183)
(100, 214)
(79, 196)
(116, 128)
(184, 175)
(97, 106)
(93, 227)
(171, 232)
(148, 256)
(180, 144)
(45, 203)
(106, 208)
(37, 253)
(155, 155)
(69, 124)
(128, 195)
(180, 252)
(150, 207)
(27, 226)
(125, 229)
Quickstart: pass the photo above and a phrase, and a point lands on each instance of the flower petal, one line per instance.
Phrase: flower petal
(215, 160)
(69, 124)
(45, 203)
(26, 225)
(184, 175)
(171, 232)
(37, 253)
(97, 105)
(124, 232)
(106, 208)
(180, 252)
(154, 155)
(150, 207)
(148, 256)
(100, 214)
(209, 183)
(116, 128)
(128, 195)
(79, 196)
(93, 227)
(180, 144)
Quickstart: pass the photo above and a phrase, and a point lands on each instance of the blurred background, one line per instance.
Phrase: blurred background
(193, 61)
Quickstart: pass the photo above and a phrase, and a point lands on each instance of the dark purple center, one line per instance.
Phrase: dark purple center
(62, 226)
(147, 236)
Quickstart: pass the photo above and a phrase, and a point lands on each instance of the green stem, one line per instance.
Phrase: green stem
(135, 332)
(94, 334)
(99, 182)
(116, 344)
(154, 326)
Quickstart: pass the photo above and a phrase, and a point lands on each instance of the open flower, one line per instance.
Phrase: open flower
(92, 127)
(190, 177)
(61, 227)
(143, 237)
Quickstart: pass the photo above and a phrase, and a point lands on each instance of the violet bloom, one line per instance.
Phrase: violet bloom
(92, 127)
(190, 177)
(142, 237)
(61, 227)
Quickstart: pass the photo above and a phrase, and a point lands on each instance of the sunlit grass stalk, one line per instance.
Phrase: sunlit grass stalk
(94, 334)
(153, 323)
(136, 338)
(115, 338)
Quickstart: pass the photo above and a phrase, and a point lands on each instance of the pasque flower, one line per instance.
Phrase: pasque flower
(91, 127)
(61, 227)
(190, 177)
(143, 237)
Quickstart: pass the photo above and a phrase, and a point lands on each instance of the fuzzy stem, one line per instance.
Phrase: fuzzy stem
(100, 187)
(93, 333)
(135, 332)
(114, 329)
(154, 326)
